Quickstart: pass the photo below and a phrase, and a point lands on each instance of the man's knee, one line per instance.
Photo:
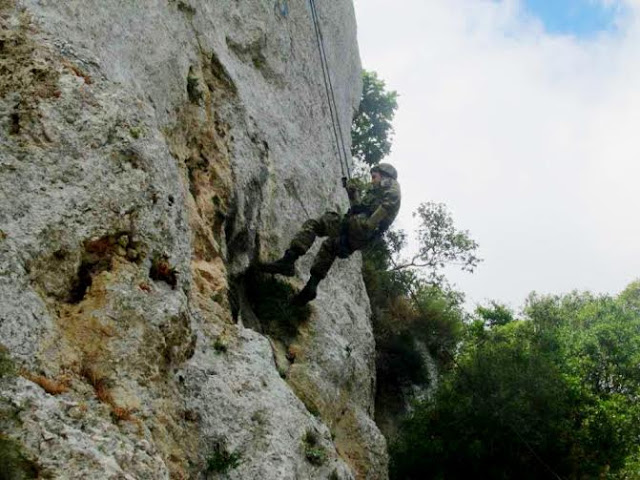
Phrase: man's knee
(312, 225)
(306, 236)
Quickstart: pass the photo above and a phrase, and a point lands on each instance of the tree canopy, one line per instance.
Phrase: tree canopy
(439, 243)
(371, 129)
(552, 393)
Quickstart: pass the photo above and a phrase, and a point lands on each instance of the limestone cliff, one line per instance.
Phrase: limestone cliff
(150, 152)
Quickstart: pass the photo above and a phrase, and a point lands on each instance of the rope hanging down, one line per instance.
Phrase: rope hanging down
(331, 99)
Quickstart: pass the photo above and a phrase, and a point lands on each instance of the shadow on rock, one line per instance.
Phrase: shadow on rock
(263, 302)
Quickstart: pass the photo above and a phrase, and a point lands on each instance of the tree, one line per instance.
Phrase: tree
(501, 383)
(371, 129)
(555, 391)
(412, 315)
(631, 296)
(495, 314)
(440, 243)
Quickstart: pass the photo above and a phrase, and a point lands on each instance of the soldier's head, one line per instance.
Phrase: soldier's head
(378, 172)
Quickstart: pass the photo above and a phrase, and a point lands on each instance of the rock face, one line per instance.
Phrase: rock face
(150, 153)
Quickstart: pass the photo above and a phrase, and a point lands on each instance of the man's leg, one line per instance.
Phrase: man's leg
(341, 243)
(327, 225)
(319, 269)
(325, 257)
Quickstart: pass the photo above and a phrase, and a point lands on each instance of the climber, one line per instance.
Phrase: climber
(368, 217)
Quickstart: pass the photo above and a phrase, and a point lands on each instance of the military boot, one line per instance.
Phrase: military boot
(284, 266)
(308, 293)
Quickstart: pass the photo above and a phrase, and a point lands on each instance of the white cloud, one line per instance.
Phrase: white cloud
(529, 138)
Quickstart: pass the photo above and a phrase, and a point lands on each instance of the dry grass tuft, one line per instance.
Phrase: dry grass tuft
(52, 387)
(121, 414)
(161, 270)
(78, 72)
(98, 380)
(100, 383)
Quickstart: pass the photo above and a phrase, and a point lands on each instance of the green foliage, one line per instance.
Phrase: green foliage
(630, 297)
(631, 469)
(135, 132)
(556, 390)
(371, 130)
(407, 312)
(14, 464)
(7, 367)
(221, 460)
(220, 346)
(315, 453)
(467, 429)
(440, 243)
(271, 302)
(400, 362)
(598, 337)
(494, 315)
(440, 320)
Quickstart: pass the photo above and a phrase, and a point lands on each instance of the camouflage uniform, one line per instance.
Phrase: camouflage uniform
(368, 216)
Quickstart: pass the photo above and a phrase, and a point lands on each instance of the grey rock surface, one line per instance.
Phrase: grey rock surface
(150, 153)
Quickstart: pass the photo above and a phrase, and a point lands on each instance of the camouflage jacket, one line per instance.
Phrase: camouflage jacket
(380, 203)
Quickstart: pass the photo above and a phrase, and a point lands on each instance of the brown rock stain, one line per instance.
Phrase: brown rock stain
(96, 349)
(29, 72)
(201, 143)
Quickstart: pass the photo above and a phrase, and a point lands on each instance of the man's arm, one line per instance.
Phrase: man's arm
(386, 212)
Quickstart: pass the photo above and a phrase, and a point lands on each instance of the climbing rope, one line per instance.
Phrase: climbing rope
(331, 99)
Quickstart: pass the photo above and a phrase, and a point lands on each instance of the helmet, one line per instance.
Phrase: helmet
(386, 170)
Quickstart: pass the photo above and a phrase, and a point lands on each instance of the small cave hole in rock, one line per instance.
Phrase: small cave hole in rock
(264, 302)
(14, 127)
(162, 271)
(83, 281)
(97, 257)
(194, 91)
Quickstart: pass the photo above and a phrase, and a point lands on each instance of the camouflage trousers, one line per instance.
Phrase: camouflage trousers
(332, 225)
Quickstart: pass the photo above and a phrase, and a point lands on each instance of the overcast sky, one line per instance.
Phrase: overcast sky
(524, 118)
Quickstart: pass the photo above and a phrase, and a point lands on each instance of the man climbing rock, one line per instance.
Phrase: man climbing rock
(370, 215)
